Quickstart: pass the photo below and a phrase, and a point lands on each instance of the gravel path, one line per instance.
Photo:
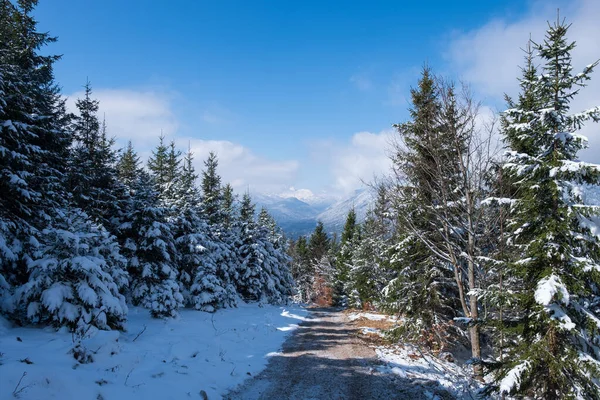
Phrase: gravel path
(324, 359)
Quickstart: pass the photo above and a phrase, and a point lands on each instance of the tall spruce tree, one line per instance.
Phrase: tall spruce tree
(423, 289)
(342, 286)
(250, 270)
(61, 268)
(128, 167)
(199, 250)
(557, 355)
(33, 141)
(227, 206)
(211, 190)
(151, 252)
(93, 178)
(277, 281)
(301, 269)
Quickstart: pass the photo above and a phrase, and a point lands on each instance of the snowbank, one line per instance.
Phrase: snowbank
(407, 361)
(154, 359)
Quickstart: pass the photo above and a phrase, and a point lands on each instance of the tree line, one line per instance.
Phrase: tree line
(86, 230)
(495, 250)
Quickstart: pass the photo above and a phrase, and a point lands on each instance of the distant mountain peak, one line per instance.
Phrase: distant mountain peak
(298, 210)
(308, 196)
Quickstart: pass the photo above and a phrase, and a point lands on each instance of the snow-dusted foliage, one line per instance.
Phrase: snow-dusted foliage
(280, 282)
(263, 268)
(198, 249)
(151, 251)
(76, 276)
(92, 173)
(557, 255)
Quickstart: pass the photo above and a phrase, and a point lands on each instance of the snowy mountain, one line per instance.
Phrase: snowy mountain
(297, 211)
(334, 217)
(318, 201)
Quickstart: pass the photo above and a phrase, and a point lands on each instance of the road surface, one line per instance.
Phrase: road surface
(325, 359)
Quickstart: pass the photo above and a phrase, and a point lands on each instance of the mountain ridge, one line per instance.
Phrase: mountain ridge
(298, 217)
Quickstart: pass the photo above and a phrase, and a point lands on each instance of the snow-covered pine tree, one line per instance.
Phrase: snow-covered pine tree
(212, 195)
(19, 194)
(229, 233)
(198, 250)
(128, 167)
(165, 166)
(319, 246)
(302, 269)
(424, 289)
(93, 177)
(250, 276)
(278, 280)
(371, 270)
(342, 286)
(67, 270)
(319, 242)
(157, 163)
(557, 355)
(227, 206)
(33, 144)
(173, 174)
(150, 249)
(217, 207)
(77, 276)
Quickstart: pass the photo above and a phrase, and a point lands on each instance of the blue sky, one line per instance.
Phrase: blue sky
(289, 93)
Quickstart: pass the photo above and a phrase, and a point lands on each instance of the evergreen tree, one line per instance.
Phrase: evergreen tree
(151, 252)
(26, 93)
(169, 189)
(93, 178)
(557, 355)
(34, 143)
(227, 206)
(319, 242)
(371, 270)
(423, 289)
(128, 166)
(65, 270)
(342, 286)
(301, 269)
(211, 190)
(199, 251)
(157, 163)
(250, 271)
(77, 277)
(279, 282)
(165, 167)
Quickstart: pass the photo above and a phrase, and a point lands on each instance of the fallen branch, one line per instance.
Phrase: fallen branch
(140, 334)
(15, 393)
(127, 377)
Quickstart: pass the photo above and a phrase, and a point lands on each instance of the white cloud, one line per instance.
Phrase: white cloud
(140, 116)
(351, 164)
(241, 167)
(489, 57)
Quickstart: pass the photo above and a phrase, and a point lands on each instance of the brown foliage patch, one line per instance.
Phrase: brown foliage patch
(323, 293)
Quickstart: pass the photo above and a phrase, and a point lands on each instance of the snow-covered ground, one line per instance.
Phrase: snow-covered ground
(411, 362)
(195, 355)
(408, 361)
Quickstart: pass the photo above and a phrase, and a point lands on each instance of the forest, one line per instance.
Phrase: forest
(481, 237)
(487, 243)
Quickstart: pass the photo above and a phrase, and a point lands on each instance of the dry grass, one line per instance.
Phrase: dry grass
(362, 322)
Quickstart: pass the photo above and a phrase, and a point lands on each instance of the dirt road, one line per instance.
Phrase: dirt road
(324, 359)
